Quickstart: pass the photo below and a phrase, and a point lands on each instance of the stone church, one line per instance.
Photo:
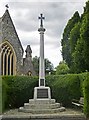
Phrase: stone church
(11, 50)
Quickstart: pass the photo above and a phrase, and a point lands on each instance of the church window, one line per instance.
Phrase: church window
(8, 59)
(9, 64)
(12, 65)
(5, 58)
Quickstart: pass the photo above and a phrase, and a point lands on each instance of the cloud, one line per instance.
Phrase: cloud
(57, 13)
(45, 1)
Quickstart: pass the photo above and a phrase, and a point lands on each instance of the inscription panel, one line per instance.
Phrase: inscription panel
(42, 93)
(41, 82)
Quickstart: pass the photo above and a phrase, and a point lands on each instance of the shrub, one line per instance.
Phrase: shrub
(20, 89)
(65, 88)
(0, 94)
(17, 90)
(62, 68)
(86, 96)
(82, 77)
(4, 95)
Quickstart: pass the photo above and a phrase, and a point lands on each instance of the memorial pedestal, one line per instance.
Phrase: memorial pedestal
(42, 103)
(42, 93)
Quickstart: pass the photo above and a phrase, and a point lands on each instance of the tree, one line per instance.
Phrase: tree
(78, 60)
(74, 36)
(62, 68)
(48, 65)
(81, 54)
(35, 62)
(66, 38)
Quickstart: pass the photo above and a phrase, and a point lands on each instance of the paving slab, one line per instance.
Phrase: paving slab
(69, 114)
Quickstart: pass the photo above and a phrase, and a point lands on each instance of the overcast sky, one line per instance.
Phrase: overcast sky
(25, 18)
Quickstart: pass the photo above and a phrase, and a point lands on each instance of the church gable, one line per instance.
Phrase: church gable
(9, 33)
(11, 50)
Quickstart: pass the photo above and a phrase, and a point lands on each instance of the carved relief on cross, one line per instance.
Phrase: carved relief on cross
(41, 20)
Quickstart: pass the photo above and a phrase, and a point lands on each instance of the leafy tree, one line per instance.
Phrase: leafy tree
(78, 60)
(74, 36)
(62, 68)
(81, 54)
(48, 65)
(35, 62)
(66, 38)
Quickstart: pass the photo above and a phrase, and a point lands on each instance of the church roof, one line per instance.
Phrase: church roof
(2, 18)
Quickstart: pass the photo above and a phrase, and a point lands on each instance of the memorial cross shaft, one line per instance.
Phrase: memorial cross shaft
(41, 61)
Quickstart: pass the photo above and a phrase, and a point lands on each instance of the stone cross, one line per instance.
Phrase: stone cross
(6, 6)
(41, 61)
(41, 18)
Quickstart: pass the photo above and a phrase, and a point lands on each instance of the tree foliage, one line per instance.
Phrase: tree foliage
(66, 38)
(48, 65)
(75, 42)
(81, 54)
(86, 96)
(62, 68)
(35, 62)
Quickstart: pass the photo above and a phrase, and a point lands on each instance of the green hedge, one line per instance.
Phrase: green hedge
(86, 95)
(65, 88)
(0, 95)
(19, 89)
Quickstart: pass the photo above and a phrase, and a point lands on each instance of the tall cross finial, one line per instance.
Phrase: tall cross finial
(41, 18)
(6, 6)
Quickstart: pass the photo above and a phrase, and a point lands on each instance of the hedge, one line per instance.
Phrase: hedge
(86, 96)
(65, 88)
(19, 89)
(0, 95)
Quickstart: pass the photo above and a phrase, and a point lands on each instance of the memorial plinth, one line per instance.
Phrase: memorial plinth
(42, 93)
(42, 102)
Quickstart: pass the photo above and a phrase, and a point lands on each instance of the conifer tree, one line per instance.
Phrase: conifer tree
(66, 38)
(74, 36)
(81, 54)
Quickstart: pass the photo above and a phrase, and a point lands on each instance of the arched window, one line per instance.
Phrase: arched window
(8, 59)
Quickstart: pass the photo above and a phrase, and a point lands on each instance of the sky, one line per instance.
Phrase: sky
(25, 14)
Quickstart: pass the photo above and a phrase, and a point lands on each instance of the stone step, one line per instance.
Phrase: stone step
(41, 111)
(41, 101)
(65, 117)
(40, 106)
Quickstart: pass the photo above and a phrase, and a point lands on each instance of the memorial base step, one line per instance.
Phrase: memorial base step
(41, 106)
(41, 111)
